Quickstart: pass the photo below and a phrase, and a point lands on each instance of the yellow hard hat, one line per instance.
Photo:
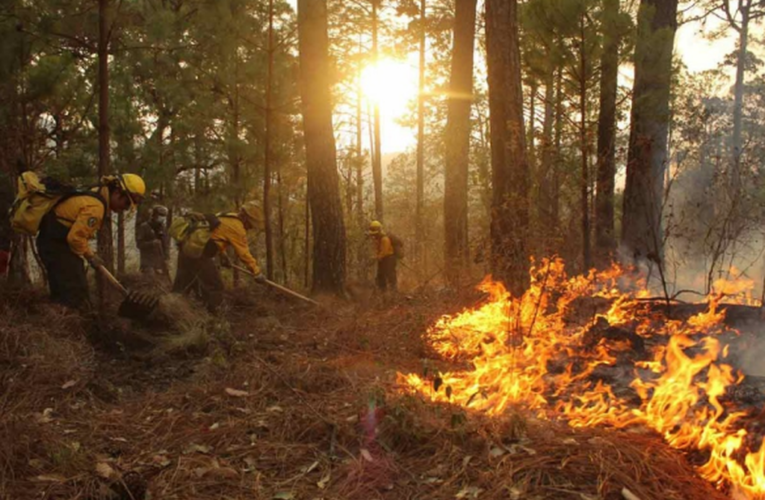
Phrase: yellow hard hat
(375, 227)
(254, 213)
(134, 187)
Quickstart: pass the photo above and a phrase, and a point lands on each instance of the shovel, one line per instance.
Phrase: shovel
(280, 288)
(136, 305)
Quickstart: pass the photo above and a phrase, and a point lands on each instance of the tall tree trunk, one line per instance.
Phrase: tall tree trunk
(376, 151)
(544, 189)
(531, 153)
(458, 142)
(307, 242)
(197, 164)
(558, 153)
(282, 233)
(647, 156)
(267, 159)
(584, 149)
(510, 170)
(420, 180)
(321, 161)
(738, 93)
(105, 249)
(605, 240)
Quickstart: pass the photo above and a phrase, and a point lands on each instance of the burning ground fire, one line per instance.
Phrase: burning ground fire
(527, 352)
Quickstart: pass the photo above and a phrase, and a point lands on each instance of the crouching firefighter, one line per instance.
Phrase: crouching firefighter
(67, 218)
(202, 237)
(388, 249)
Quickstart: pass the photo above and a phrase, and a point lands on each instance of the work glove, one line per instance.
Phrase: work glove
(260, 279)
(95, 261)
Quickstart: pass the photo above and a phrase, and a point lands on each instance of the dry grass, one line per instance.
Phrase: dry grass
(286, 401)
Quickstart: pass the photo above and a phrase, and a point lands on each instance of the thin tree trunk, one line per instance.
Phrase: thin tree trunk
(420, 180)
(457, 143)
(360, 161)
(234, 156)
(267, 159)
(105, 249)
(545, 178)
(282, 234)
(321, 161)
(738, 95)
(584, 145)
(647, 156)
(510, 170)
(558, 153)
(605, 240)
(530, 140)
(307, 238)
(376, 151)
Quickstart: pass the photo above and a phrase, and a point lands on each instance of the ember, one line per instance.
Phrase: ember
(532, 352)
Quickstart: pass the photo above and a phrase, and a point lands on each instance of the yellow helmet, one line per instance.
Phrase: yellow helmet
(254, 213)
(134, 187)
(375, 227)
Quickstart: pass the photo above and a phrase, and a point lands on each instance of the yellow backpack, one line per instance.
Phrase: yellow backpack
(192, 232)
(34, 199)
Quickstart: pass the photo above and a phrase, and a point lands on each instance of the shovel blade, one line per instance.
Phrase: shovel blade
(138, 305)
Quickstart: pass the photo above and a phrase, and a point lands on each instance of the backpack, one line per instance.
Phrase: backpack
(36, 197)
(192, 232)
(398, 246)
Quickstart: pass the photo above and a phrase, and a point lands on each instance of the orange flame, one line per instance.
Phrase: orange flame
(525, 351)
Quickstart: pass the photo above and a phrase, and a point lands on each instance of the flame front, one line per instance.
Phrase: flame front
(524, 351)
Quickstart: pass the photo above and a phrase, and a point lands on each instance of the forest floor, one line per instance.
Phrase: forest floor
(283, 401)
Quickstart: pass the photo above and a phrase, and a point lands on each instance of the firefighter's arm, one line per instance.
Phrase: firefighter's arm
(84, 228)
(239, 243)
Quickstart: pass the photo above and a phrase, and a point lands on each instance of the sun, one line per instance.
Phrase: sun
(392, 84)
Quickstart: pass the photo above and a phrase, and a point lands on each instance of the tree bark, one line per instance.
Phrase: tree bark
(267, 159)
(510, 171)
(605, 240)
(584, 149)
(321, 161)
(376, 151)
(738, 94)
(105, 249)
(649, 126)
(457, 142)
(544, 198)
(420, 180)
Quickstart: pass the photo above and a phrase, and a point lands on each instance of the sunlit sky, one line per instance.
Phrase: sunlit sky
(394, 84)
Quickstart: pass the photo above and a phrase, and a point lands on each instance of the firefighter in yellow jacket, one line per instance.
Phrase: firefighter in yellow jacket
(385, 255)
(65, 231)
(201, 274)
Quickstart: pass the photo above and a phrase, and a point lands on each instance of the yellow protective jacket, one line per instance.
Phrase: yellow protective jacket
(384, 247)
(83, 215)
(231, 231)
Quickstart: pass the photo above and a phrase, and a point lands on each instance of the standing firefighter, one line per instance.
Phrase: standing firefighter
(66, 228)
(201, 237)
(152, 241)
(387, 252)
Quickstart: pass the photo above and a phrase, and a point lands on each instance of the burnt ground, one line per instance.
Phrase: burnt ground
(282, 401)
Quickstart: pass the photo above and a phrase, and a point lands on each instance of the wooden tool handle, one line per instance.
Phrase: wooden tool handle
(111, 279)
(279, 287)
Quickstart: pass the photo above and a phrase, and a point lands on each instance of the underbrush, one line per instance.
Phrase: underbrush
(281, 401)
